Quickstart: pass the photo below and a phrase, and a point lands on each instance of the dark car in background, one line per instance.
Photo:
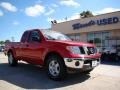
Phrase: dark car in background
(111, 53)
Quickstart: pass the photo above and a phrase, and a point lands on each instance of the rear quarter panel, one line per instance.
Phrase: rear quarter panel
(14, 47)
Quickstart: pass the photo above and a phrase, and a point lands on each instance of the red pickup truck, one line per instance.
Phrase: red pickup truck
(53, 50)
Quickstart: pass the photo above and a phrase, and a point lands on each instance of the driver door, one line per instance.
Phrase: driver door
(34, 48)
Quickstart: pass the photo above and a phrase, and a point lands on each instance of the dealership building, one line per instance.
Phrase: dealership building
(102, 30)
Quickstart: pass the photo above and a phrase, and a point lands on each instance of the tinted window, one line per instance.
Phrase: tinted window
(82, 50)
(34, 36)
(25, 35)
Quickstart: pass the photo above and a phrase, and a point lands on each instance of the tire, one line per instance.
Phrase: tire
(11, 59)
(56, 68)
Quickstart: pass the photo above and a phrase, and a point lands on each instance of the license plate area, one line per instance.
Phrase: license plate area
(94, 63)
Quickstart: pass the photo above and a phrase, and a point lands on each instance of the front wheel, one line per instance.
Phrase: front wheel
(56, 68)
(11, 59)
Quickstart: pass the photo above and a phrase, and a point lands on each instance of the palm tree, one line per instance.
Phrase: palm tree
(86, 14)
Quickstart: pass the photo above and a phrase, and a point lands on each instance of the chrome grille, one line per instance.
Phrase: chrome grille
(91, 50)
(82, 50)
(87, 50)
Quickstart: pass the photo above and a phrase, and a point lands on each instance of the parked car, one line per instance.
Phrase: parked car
(110, 53)
(1, 48)
(54, 51)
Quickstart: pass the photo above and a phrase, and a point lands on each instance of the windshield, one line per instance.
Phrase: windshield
(53, 35)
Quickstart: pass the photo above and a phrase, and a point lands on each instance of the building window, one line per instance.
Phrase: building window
(72, 37)
(99, 39)
(105, 42)
(118, 43)
(75, 37)
(90, 37)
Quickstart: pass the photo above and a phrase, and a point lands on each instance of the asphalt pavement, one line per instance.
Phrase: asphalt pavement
(26, 76)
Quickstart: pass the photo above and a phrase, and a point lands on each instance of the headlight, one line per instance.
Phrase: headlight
(73, 49)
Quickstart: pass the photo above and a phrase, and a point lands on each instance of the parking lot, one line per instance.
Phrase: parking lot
(104, 77)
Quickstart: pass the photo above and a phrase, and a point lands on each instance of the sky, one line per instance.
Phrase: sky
(16, 16)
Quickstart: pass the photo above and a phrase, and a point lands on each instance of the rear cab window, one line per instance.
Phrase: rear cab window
(25, 36)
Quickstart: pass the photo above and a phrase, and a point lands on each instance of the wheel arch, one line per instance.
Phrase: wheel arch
(52, 53)
(10, 50)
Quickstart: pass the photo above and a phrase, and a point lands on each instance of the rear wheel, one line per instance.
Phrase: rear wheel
(56, 68)
(11, 59)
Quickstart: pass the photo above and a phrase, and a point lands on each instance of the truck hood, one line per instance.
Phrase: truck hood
(73, 43)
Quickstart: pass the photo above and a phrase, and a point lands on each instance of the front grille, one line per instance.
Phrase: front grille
(91, 50)
(82, 50)
(87, 50)
(87, 61)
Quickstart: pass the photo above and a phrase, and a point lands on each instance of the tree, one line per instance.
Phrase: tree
(86, 14)
(7, 41)
(2, 42)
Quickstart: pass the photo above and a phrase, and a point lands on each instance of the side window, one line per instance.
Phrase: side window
(25, 35)
(34, 36)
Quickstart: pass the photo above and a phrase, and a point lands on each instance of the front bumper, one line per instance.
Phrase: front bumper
(79, 63)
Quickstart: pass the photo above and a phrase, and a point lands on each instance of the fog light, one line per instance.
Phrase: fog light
(69, 60)
(77, 63)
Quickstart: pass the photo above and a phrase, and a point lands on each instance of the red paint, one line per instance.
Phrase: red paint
(35, 52)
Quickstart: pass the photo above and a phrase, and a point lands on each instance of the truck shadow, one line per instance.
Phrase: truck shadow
(31, 77)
